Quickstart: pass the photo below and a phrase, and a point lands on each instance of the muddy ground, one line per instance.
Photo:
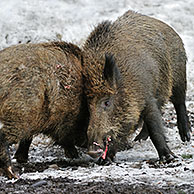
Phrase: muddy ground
(66, 185)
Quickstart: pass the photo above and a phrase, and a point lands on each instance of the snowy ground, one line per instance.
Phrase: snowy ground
(24, 21)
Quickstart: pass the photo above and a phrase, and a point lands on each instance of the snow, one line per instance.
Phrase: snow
(24, 21)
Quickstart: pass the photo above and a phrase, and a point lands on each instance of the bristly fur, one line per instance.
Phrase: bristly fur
(41, 91)
(151, 59)
(98, 86)
(69, 48)
(101, 33)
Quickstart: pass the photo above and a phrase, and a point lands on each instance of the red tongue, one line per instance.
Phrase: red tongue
(105, 153)
(106, 149)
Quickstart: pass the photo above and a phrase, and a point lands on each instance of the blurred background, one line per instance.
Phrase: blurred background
(23, 21)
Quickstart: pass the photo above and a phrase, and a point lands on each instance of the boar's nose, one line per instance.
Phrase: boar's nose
(95, 150)
(103, 152)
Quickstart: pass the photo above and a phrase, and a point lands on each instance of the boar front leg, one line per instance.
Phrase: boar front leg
(71, 152)
(21, 154)
(153, 121)
(5, 161)
(144, 133)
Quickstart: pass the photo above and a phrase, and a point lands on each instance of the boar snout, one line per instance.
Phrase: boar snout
(95, 149)
(103, 152)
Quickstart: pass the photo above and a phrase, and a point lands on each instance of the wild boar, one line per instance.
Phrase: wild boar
(144, 67)
(41, 91)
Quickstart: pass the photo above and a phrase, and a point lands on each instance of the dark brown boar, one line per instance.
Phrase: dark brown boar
(41, 91)
(148, 68)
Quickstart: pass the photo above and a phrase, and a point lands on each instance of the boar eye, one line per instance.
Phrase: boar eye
(106, 103)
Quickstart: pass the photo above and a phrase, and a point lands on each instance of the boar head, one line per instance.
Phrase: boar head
(102, 85)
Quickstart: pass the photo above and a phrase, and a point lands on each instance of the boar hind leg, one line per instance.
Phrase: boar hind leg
(153, 121)
(5, 161)
(183, 122)
(178, 100)
(21, 154)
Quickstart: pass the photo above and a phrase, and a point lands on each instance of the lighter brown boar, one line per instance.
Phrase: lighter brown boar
(145, 66)
(41, 91)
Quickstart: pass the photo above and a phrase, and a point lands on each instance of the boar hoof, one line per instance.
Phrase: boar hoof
(188, 136)
(168, 158)
(10, 174)
(185, 136)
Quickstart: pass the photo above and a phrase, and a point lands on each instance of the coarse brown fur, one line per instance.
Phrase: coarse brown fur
(151, 61)
(41, 91)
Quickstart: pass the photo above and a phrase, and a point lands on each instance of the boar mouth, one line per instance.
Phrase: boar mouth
(100, 153)
(95, 154)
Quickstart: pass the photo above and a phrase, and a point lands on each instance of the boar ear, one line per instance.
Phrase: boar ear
(111, 72)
